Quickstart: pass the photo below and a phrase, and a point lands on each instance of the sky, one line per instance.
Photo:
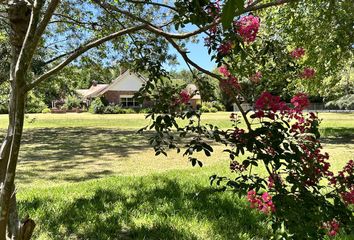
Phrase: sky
(197, 52)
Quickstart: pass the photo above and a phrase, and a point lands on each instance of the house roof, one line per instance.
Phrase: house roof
(93, 91)
(122, 77)
(99, 89)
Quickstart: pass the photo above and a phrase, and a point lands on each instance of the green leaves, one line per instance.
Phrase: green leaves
(230, 10)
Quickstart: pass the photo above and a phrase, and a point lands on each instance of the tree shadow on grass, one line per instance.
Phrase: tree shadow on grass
(337, 135)
(161, 208)
(63, 143)
(62, 149)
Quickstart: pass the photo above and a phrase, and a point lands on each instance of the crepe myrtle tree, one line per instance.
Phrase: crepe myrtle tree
(68, 30)
(303, 198)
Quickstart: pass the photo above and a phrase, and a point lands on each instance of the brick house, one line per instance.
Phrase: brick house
(122, 89)
(119, 92)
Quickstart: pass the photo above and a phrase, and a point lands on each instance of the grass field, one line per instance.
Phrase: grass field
(84, 176)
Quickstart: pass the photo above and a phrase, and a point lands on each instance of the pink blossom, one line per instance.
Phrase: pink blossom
(184, 97)
(247, 27)
(269, 102)
(348, 197)
(266, 197)
(224, 71)
(225, 48)
(308, 73)
(297, 53)
(229, 85)
(332, 227)
(264, 203)
(300, 101)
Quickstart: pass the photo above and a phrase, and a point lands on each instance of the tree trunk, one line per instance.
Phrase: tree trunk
(10, 226)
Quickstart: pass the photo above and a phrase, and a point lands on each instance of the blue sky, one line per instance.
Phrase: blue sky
(198, 53)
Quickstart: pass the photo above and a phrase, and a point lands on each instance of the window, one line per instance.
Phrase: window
(128, 101)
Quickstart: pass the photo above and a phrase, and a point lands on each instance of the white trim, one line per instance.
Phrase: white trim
(120, 78)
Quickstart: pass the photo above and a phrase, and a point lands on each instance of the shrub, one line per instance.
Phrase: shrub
(144, 110)
(219, 106)
(212, 107)
(332, 105)
(345, 103)
(286, 142)
(46, 110)
(129, 110)
(300, 194)
(72, 102)
(64, 107)
(34, 104)
(97, 106)
(213, 110)
(109, 110)
(204, 109)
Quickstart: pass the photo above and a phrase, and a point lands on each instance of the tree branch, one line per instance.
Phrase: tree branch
(58, 57)
(34, 33)
(73, 20)
(267, 5)
(157, 28)
(79, 51)
(154, 3)
(27, 49)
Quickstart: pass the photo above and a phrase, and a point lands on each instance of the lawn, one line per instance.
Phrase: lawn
(84, 176)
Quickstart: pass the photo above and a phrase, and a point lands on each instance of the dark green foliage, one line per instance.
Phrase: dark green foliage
(34, 104)
(72, 102)
(231, 9)
(97, 106)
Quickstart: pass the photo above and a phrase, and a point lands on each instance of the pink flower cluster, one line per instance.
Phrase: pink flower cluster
(314, 165)
(345, 182)
(263, 203)
(300, 101)
(297, 53)
(308, 73)
(332, 227)
(230, 84)
(348, 197)
(224, 71)
(247, 27)
(269, 102)
(256, 78)
(225, 48)
(183, 98)
(302, 124)
(272, 104)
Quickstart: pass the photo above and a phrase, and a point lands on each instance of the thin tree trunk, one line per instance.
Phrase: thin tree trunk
(10, 226)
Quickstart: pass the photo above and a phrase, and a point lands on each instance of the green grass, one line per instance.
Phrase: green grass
(177, 205)
(84, 176)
